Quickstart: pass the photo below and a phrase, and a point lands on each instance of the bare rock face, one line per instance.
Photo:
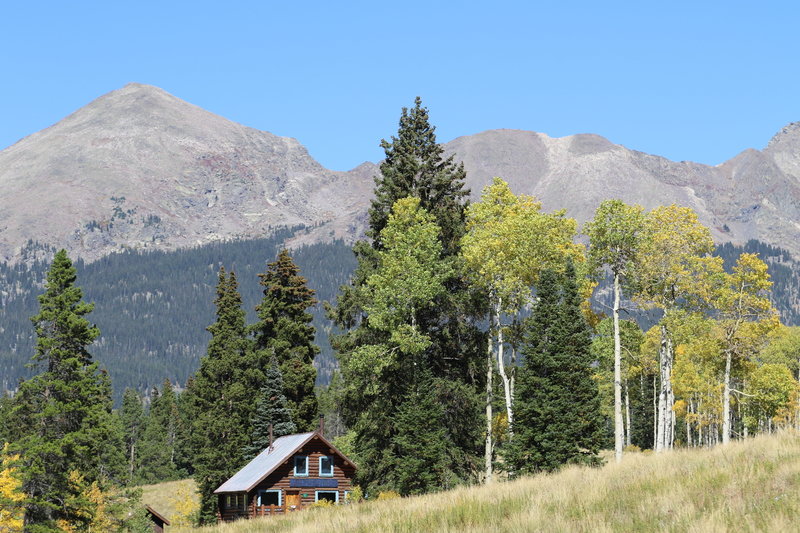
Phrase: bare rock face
(140, 168)
(755, 195)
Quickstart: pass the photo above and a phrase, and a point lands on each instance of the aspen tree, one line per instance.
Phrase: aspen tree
(509, 241)
(667, 274)
(615, 234)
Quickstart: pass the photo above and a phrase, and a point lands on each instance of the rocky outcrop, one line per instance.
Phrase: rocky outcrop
(140, 168)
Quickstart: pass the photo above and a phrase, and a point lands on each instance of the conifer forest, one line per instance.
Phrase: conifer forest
(460, 343)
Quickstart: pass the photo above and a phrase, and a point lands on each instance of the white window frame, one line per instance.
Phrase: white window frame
(280, 496)
(317, 492)
(320, 465)
(305, 459)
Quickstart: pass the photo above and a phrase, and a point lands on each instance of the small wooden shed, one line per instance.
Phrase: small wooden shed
(296, 471)
(158, 521)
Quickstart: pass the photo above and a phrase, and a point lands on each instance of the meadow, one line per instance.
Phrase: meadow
(752, 485)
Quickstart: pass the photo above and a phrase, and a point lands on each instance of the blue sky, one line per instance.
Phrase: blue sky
(696, 81)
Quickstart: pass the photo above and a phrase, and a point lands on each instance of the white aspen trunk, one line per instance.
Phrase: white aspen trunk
(655, 412)
(618, 427)
(501, 365)
(489, 372)
(666, 398)
(672, 422)
(726, 401)
(513, 371)
(688, 434)
(628, 432)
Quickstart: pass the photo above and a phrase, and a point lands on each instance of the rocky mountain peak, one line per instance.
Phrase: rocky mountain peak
(789, 134)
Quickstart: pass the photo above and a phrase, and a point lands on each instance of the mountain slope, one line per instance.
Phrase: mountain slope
(141, 168)
(755, 195)
(750, 485)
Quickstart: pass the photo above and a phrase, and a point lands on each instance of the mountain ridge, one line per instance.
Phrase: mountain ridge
(140, 168)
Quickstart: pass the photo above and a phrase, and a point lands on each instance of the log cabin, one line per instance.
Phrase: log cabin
(294, 472)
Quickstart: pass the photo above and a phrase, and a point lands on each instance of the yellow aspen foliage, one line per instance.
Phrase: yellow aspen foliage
(11, 496)
(186, 506)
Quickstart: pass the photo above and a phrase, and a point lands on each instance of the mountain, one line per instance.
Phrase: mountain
(139, 168)
(755, 195)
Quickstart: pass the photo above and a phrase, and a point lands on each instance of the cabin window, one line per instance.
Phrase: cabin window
(269, 497)
(329, 495)
(300, 465)
(234, 501)
(326, 465)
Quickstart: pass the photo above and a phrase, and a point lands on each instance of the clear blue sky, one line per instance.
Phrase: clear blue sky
(696, 80)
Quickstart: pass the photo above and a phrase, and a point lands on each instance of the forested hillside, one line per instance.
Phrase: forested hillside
(152, 308)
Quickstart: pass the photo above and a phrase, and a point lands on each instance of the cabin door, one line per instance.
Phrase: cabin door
(292, 500)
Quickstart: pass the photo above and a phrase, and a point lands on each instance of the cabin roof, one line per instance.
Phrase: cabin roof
(156, 514)
(267, 461)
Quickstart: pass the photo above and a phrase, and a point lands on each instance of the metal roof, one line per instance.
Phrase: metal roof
(264, 463)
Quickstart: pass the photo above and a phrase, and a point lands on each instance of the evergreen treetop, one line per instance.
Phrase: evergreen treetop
(61, 421)
(415, 166)
(222, 396)
(557, 419)
(284, 330)
(272, 414)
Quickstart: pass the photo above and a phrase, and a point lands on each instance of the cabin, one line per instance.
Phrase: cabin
(294, 472)
(158, 521)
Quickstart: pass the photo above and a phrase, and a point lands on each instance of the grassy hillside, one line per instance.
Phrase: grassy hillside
(749, 486)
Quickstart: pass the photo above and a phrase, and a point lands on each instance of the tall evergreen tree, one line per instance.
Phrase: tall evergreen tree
(419, 443)
(62, 425)
(223, 391)
(132, 418)
(184, 452)
(284, 330)
(158, 444)
(414, 167)
(558, 417)
(272, 414)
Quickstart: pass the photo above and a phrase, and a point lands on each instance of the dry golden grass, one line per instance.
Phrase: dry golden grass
(748, 486)
(165, 499)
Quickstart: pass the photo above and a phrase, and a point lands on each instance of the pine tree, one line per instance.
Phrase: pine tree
(558, 418)
(62, 424)
(284, 330)
(184, 452)
(414, 167)
(223, 393)
(158, 445)
(132, 418)
(419, 446)
(272, 414)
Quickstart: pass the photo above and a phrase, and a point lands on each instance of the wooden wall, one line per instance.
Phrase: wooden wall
(281, 478)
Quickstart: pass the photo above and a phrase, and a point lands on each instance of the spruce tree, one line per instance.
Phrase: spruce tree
(419, 444)
(414, 167)
(223, 393)
(132, 418)
(272, 414)
(158, 445)
(558, 417)
(61, 420)
(284, 330)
